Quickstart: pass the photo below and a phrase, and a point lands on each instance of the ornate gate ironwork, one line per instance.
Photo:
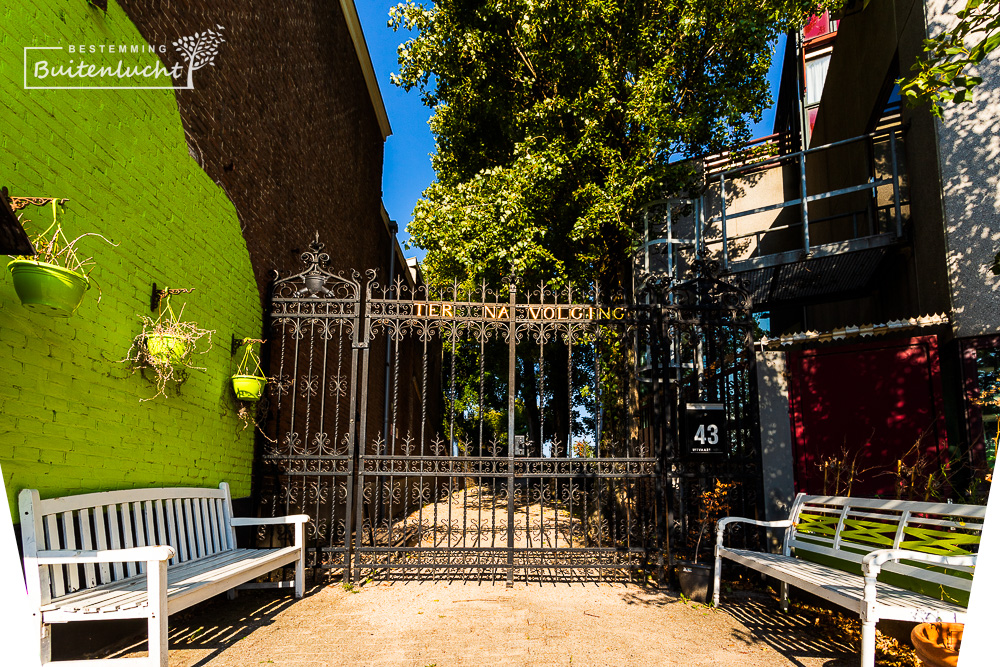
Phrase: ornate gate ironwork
(708, 358)
(511, 439)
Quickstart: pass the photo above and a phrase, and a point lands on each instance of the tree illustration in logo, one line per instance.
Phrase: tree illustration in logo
(199, 50)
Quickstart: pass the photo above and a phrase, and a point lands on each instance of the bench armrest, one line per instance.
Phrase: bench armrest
(781, 523)
(268, 521)
(71, 556)
(872, 563)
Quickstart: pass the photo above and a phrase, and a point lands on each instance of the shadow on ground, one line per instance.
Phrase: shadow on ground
(795, 635)
(233, 622)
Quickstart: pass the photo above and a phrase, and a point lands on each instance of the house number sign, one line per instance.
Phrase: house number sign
(705, 429)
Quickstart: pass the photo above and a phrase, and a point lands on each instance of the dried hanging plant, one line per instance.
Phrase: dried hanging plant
(166, 347)
(52, 247)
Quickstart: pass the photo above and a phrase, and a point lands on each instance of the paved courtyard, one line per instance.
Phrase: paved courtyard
(441, 623)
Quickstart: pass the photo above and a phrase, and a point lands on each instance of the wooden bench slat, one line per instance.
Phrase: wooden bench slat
(52, 541)
(72, 571)
(140, 532)
(87, 539)
(101, 535)
(161, 527)
(75, 503)
(214, 521)
(124, 589)
(131, 593)
(199, 528)
(114, 528)
(844, 584)
(129, 542)
(189, 527)
(178, 527)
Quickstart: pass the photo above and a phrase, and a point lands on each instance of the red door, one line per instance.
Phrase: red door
(872, 401)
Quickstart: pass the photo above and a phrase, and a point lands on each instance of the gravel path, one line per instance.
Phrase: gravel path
(420, 624)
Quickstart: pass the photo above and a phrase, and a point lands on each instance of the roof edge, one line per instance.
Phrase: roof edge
(365, 60)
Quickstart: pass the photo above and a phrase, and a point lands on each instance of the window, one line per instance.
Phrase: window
(815, 78)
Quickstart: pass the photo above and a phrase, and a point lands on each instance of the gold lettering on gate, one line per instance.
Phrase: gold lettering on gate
(557, 312)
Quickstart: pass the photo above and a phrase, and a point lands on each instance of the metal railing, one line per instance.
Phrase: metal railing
(804, 198)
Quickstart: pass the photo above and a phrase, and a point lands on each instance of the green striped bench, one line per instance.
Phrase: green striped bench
(882, 559)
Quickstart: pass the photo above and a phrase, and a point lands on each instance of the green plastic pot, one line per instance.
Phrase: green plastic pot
(48, 288)
(166, 348)
(249, 387)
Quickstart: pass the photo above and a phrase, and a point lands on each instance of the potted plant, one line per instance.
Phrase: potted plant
(167, 344)
(695, 578)
(249, 380)
(55, 279)
(937, 644)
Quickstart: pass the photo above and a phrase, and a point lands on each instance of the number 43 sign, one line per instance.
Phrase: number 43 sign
(704, 431)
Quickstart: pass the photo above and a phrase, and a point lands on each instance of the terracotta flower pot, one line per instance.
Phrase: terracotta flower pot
(937, 644)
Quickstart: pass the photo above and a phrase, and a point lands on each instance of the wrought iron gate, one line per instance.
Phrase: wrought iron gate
(499, 431)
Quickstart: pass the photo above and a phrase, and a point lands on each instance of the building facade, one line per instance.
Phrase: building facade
(209, 185)
(864, 231)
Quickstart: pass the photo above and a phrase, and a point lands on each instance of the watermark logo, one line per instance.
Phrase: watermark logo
(120, 66)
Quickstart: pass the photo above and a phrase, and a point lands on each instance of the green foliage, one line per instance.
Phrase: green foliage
(555, 120)
(944, 75)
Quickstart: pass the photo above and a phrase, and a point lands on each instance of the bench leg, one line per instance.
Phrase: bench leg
(868, 644)
(300, 564)
(45, 642)
(156, 573)
(717, 581)
(784, 596)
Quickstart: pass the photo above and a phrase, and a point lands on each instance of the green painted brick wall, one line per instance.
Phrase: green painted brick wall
(70, 417)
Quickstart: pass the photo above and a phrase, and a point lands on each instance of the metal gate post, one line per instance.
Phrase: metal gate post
(662, 417)
(511, 390)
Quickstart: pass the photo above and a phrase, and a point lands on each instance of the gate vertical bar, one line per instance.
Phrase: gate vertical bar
(359, 424)
(511, 390)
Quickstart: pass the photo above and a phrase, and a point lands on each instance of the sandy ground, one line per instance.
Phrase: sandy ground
(441, 623)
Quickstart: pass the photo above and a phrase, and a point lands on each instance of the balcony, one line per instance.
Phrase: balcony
(788, 225)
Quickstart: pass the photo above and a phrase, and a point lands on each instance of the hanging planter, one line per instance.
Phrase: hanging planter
(166, 348)
(249, 380)
(167, 344)
(54, 280)
(48, 288)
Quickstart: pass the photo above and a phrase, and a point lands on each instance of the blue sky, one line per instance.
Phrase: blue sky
(407, 169)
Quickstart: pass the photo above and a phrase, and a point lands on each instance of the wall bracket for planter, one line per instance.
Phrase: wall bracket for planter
(237, 343)
(158, 294)
(13, 239)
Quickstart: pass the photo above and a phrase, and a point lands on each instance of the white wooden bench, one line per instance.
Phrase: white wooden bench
(836, 548)
(140, 553)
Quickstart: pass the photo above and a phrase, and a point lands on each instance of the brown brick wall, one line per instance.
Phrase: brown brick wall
(284, 124)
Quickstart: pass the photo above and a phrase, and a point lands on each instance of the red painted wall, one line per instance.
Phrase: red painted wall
(874, 400)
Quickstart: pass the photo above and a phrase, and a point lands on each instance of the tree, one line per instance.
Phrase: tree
(944, 75)
(556, 120)
(199, 50)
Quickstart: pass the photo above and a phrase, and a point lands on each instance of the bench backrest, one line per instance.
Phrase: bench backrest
(839, 531)
(196, 522)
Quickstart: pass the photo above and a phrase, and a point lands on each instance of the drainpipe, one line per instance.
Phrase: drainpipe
(393, 229)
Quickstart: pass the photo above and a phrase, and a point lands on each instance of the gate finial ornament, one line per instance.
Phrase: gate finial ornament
(314, 276)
